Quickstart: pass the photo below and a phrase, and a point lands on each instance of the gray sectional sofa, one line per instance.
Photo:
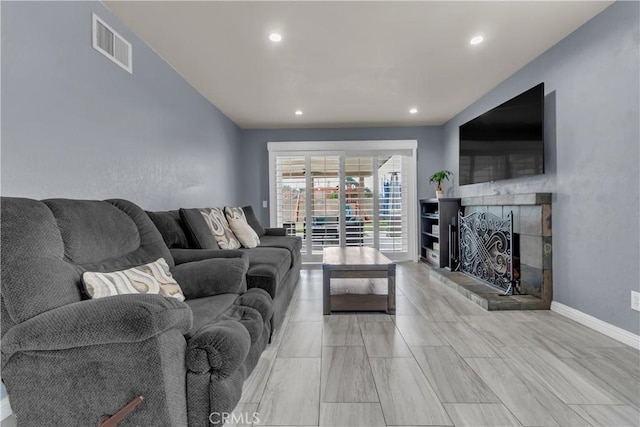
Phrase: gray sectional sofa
(69, 361)
(273, 266)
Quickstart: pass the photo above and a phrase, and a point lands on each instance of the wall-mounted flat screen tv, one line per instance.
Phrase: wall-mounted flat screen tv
(505, 142)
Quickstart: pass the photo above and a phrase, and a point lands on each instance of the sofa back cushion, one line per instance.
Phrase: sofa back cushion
(172, 229)
(253, 221)
(107, 235)
(198, 229)
(35, 276)
(46, 246)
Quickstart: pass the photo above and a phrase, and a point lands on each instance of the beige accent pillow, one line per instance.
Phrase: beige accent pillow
(244, 233)
(152, 278)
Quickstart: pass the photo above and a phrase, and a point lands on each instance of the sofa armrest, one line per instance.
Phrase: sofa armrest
(110, 320)
(181, 256)
(275, 231)
(219, 347)
(212, 276)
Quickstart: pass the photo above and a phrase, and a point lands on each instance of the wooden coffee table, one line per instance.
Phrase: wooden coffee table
(362, 290)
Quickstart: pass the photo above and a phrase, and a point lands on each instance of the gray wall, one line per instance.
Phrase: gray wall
(592, 139)
(76, 125)
(254, 169)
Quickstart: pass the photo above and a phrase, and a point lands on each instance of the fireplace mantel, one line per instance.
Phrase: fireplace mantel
(508, 199)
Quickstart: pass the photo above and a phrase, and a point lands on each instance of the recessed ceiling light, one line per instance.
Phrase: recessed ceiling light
(413, 110)
(298, 112)
(476, 40)
(275, 37)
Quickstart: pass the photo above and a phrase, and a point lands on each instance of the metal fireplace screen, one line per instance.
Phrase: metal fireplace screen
(486, 248)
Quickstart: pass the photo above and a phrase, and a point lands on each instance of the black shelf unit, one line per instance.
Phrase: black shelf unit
(435, 217)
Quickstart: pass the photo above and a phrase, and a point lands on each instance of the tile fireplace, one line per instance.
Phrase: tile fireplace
(531, 248)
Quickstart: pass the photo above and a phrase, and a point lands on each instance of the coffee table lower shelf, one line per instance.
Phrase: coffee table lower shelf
(360, 301)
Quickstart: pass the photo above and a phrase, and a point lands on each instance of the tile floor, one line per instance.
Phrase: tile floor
(440, 361)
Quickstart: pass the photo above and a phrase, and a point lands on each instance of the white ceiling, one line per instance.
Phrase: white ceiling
(348, 63)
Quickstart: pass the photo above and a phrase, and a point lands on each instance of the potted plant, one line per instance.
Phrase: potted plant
(438, 177)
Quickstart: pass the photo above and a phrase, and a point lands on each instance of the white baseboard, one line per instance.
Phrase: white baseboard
(5, 408)
(605, 328)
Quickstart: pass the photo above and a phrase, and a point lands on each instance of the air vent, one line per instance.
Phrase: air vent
(111, 44)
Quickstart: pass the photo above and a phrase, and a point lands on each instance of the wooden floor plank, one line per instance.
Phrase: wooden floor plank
(418, 331)
(557, 375)
(341, 330)
(404, 307)
(292, 393)
(346, 376)
(452, 379)
(351, 415)
(306, 311)
(611, 377)
(256, 382)
(465, 340)
(498, 333)
(301, 339)
(626, 358)
(480, 415)
(406, 396)
(609, 415)
(382, 339)
(374, 317)
(516, 394)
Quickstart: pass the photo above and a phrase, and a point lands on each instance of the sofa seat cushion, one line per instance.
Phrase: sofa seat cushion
(209, 309)
(267, 268)
(252, 309)
(259, 300)
(271, 262)
(291, 243)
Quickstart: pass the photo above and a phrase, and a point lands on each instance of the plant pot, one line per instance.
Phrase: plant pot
(439, 193)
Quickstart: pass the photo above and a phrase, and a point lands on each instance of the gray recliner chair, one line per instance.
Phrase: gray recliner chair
(70, 361)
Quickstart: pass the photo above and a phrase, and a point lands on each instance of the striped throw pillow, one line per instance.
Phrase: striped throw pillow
(152, 278)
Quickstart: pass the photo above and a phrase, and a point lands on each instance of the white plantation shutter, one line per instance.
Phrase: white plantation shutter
(291, 193)
(392, 175)
(325, 202)
(360, 197)
(359, 200)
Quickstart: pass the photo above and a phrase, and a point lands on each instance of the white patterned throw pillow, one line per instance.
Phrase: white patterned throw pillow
(219, 227)
(152, 278)
(245, 234)
(234, 213)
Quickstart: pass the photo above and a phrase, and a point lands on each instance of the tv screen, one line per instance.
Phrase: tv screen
(505, 142)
